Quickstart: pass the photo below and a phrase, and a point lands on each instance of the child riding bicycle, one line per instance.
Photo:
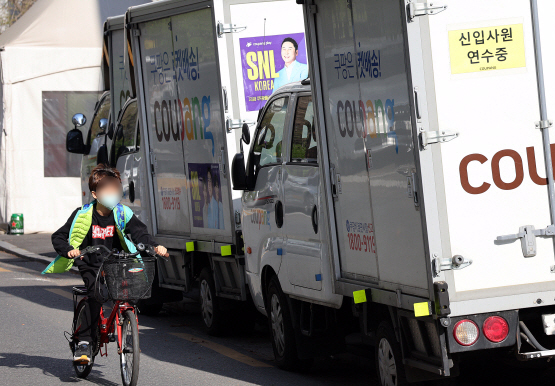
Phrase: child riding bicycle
(102, 222)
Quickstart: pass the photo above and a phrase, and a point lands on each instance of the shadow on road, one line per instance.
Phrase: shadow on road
(61, 369)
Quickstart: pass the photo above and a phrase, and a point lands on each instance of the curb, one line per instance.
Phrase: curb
(23, 253)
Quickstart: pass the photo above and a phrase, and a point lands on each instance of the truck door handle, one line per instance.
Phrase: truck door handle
(315, 219)
(279, 214)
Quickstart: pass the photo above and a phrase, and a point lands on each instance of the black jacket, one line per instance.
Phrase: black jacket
(102, 232)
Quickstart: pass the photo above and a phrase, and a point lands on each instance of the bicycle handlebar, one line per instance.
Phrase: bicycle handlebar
(148, 249)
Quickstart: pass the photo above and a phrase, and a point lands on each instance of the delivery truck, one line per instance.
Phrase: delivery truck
(200, 71)
(402, 199)
(97, 140)
(113, 138)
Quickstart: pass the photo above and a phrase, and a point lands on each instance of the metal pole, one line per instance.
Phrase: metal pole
(544, 121)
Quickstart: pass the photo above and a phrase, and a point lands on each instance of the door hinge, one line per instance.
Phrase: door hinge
(454, 263)
(527, 235)
(232, 124)
(424, 9)
(222, 28)
(429, 137)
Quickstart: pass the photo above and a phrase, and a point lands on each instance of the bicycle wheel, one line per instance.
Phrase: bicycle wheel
(82, 371)
(129, 356)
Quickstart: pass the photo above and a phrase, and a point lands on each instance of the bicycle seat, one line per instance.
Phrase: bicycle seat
(80, 290)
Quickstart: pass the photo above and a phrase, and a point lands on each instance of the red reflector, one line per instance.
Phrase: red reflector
(495, 329)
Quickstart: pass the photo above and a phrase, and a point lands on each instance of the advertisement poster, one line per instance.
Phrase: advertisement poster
(206, 198)
(269, 63)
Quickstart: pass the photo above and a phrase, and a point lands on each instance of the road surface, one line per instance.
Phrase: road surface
(37, 309)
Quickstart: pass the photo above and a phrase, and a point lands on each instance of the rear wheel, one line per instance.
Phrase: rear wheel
(389, 361)
(209, 304)
(130, 353)
(281, 326)
(82, 371)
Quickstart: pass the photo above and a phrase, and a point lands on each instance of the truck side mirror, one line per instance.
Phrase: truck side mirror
(102, 155)
(74, 142)
(246, 135)
(78, 120)
(238, 173)
(102, 125)
(111, 131)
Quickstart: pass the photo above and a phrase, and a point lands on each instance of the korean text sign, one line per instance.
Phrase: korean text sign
(486, 49)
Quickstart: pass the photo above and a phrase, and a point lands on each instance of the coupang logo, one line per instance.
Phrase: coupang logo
(175, 120)
(370, 118)
(502, 182)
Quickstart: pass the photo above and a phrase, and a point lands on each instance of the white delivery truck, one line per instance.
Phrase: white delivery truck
(115, 84)
(401, 201)
(113, 138)
(194, 85)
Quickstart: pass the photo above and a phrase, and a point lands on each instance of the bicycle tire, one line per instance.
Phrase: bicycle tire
(130, 351)
(82, 371)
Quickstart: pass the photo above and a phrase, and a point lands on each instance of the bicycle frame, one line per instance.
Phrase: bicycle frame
(106, 325)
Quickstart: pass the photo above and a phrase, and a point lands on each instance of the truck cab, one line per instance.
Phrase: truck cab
(281, 206)
(92, 142)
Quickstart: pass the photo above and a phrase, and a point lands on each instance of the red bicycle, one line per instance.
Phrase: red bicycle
(128, 278)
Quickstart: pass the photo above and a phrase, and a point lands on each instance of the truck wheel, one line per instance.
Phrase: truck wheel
(283, 334)
(389, 360)
(211, 313)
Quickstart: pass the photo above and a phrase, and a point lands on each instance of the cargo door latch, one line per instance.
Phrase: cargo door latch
(527, 235)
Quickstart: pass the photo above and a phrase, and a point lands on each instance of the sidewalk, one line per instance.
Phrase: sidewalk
(36, 246)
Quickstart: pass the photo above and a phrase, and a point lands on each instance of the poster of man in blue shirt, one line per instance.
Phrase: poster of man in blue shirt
(292, 71)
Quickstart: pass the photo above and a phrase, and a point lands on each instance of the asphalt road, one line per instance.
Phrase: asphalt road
(35, 310)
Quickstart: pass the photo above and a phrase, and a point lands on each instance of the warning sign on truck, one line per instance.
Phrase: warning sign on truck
(487, 49)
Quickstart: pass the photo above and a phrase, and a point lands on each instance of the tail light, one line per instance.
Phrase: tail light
(495, 329)
(466, 332)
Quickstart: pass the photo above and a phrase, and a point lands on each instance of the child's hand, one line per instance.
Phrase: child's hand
(161, 250)
(74, 253)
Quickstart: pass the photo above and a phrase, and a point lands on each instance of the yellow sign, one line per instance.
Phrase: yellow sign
(421, 309)
(487, 49)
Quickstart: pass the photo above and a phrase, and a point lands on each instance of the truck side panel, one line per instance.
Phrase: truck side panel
(494, 173)
(185, 126)
(370, 139)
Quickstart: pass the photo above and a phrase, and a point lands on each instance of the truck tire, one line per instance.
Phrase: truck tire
(389, 360)
(209, 304)
(281, 327)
